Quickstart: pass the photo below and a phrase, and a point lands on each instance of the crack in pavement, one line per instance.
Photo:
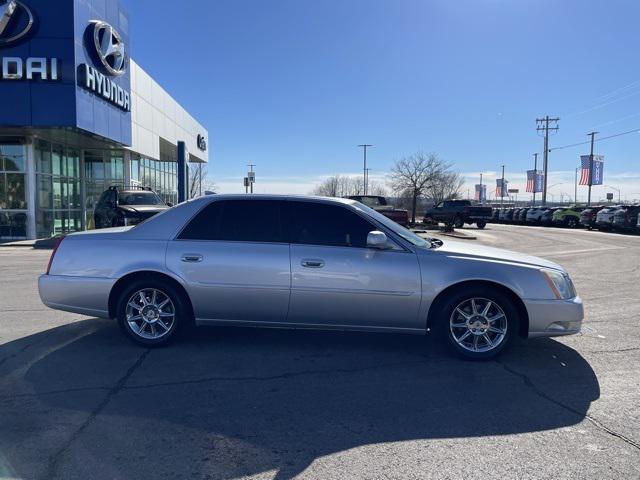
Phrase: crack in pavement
(597, 423)
(274, 377)
(222, 379)
(54, 460)
(622, 350)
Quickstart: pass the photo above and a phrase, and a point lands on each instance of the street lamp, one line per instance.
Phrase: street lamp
(616, 189)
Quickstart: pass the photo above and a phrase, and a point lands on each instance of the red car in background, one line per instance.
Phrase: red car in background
(380, 204)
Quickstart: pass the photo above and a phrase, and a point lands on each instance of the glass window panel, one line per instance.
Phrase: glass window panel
(94, 166)
(135, 170)
(117, 165)
(16, 196)
(3, 190)
(73, 164)
(64, 194)
(43, 157)
(12, 157)
(57, 193)
(18, 222)
(45, 191)
(44, 224)
(58, 162)
(74, 195)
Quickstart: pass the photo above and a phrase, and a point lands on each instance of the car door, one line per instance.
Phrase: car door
(338, 282)
(235, 262)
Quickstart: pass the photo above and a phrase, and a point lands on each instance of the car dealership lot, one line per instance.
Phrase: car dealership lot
(77, 400)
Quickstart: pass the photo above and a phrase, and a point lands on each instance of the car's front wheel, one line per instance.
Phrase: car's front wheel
(150, 312)
(479, 322)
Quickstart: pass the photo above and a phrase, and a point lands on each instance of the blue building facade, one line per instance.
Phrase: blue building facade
(72, 119)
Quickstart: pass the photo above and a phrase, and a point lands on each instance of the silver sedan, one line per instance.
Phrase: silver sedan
(306, 262)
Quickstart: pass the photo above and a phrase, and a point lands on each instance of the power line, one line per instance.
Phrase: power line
(628, 132)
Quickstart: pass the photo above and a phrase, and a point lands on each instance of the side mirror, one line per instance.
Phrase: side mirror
(377, 239)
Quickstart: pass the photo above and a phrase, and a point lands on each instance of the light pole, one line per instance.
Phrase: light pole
(364, 147)
(593, 136)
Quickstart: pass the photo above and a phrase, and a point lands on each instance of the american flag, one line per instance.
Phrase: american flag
(535, 179)
(501, 188)
(531, 181)
(481, 193)
(586, 176)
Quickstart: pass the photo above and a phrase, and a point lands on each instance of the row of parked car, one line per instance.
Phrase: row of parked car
(622, 218)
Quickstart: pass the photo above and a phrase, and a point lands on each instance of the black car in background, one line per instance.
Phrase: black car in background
(588, 216)
(626, 218)
(122, 206)
(547, 217)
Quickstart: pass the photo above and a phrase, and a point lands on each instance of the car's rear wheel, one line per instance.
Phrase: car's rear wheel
(458, 222)
(481, 224)
(479, 322)
(150, 312)
(572, 222)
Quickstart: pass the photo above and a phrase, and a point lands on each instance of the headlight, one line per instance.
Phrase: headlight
(560, 284)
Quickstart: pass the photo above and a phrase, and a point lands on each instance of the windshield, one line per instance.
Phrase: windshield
(140, 198)
(408, 235)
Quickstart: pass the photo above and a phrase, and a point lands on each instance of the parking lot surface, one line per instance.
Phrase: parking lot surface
(78, 401)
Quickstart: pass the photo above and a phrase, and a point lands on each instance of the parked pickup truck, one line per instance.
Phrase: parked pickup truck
(458, 212)
(380, 204)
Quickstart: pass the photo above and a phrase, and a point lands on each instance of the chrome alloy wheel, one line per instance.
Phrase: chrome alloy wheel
(150, 313)
(478, 325)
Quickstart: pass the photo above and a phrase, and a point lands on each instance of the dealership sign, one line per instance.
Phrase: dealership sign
(106, 45)
(16, 21)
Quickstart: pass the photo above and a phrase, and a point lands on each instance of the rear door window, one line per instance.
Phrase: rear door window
(237, 221)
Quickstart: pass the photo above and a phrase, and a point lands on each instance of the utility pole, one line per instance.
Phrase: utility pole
(251, 177)
(543, 126)
(480, 192)
(575, 188)
(365, 170)
(502, 189)
(535, 177)
(593, 136)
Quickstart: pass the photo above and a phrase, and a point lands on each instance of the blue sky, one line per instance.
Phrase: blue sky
(294, 85)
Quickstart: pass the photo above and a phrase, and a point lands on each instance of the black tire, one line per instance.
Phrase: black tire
(458, 222)
(481, 224)
(177, 306)
(445, 318)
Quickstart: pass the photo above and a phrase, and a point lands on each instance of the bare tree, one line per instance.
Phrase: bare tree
(199, 182)
(345, 186)
(447, 188)
(423, 175)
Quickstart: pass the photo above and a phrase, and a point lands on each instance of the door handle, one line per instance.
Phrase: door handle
(312, 263)
(191, 257)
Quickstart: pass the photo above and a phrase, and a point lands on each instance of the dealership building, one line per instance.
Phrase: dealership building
(78, 115)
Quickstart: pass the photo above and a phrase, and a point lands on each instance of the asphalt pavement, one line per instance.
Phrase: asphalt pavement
(78, 401)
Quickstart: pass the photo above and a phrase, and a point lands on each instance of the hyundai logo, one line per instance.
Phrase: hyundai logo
(16, 20)
(109, 47)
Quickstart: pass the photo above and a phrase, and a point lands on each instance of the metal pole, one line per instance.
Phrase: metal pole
(480, 193)
(251, 165)
(575, 187)
(593, 136)
(545, 128)
(535, 176)
(365, 176)
(502, 189)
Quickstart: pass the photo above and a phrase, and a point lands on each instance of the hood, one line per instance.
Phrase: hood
(471, 250)
(143, 208)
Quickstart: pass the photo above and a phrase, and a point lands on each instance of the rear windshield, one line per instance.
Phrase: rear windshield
(140, 198)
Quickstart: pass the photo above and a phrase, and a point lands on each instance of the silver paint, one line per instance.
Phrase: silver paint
(302, 286)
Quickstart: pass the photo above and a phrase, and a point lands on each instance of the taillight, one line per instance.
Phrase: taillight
(53, 253)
